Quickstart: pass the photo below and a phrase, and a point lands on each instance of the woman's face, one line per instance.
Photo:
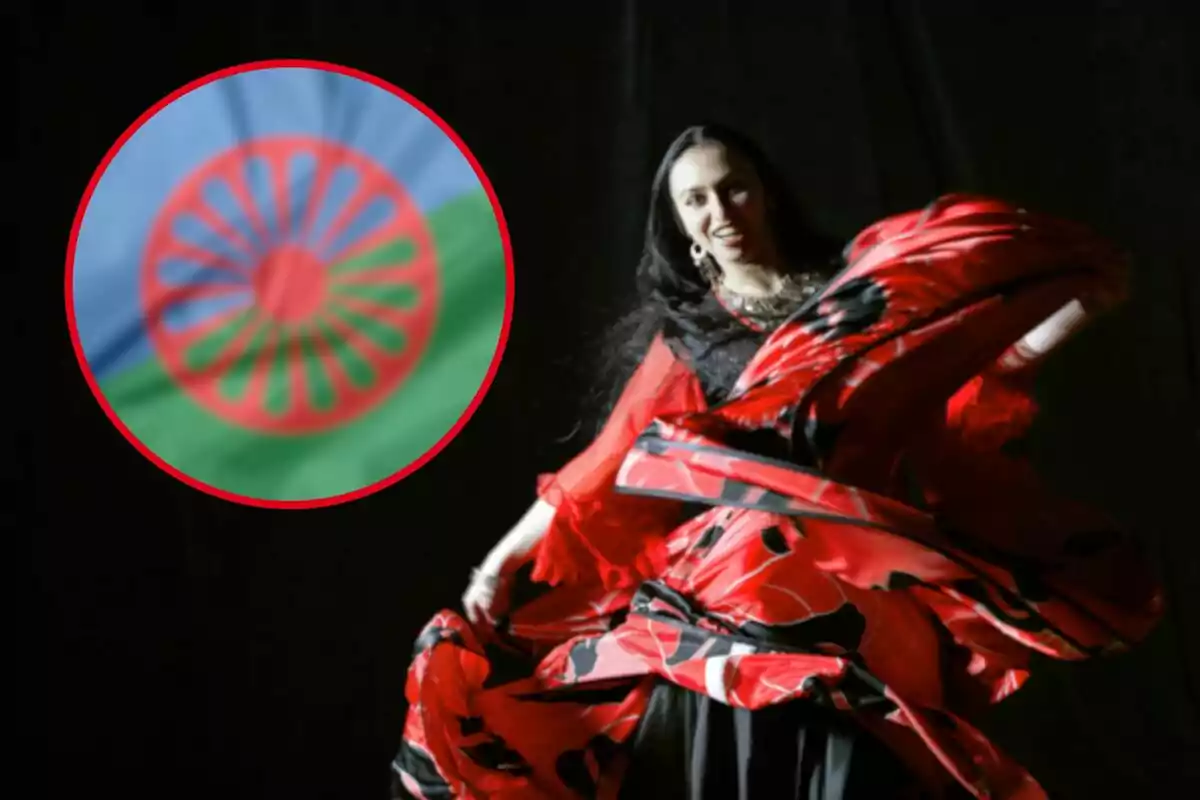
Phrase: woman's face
(721, 204)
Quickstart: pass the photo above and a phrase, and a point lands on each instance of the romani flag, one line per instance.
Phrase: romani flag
(289, 283)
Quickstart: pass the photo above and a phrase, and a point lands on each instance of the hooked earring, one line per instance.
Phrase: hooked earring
(707, 269)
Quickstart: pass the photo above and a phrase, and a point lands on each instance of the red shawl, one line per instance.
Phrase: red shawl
(914, 551)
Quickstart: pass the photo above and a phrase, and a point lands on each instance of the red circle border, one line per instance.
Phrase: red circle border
(429, 454)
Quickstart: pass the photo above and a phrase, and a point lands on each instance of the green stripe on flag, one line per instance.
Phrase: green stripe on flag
(393, 435)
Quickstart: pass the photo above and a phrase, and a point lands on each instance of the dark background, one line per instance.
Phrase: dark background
(182, 646)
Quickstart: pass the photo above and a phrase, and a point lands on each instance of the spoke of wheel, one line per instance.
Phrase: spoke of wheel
(177, 249)
(343, 386)
(396, 252)
(358, 369)
(213, 219)
(297, 383)
(256, 391)
(234, 176)
(369, 188)
(204, 353)
(234, 382)
(380, 333)
(182, 340)
(166, 296)
(316, 197)
(394, 295)
(278, 397)
(320, 387)
(280, 191)
(388, 315)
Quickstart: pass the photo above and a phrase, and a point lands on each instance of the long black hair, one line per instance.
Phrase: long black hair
(671, 293)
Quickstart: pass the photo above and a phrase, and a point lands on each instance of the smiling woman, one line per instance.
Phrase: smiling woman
(721, 207)
(799, 555)
(707, 300)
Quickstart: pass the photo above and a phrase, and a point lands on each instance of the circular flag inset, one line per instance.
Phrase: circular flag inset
(289, 284)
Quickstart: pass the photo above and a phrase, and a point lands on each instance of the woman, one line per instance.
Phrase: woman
(799, 554)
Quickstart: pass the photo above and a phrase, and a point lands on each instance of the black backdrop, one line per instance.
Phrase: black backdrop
(186, 647)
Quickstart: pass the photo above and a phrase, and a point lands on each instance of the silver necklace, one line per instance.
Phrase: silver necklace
(794, 291)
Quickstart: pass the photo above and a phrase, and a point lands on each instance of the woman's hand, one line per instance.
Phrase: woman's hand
(479, 600)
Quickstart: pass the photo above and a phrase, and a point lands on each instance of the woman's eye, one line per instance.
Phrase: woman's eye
(739, 196)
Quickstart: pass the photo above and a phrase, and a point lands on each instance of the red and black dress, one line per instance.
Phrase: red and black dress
(871, 561)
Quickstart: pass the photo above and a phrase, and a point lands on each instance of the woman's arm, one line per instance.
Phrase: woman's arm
(581, 491)
(1059, 327)
(521, 539)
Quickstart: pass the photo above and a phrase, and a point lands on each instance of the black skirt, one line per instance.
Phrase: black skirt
(690, 747)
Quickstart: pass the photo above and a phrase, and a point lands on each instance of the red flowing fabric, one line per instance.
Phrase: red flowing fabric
(915, 553)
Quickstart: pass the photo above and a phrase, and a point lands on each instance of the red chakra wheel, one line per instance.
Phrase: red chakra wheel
(290, 285)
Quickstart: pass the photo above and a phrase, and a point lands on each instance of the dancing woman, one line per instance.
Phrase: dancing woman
(800, 555)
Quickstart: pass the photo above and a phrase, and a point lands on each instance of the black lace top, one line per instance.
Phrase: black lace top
(717, 364)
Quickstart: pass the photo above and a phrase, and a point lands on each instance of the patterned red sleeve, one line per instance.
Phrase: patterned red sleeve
(596, 532)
